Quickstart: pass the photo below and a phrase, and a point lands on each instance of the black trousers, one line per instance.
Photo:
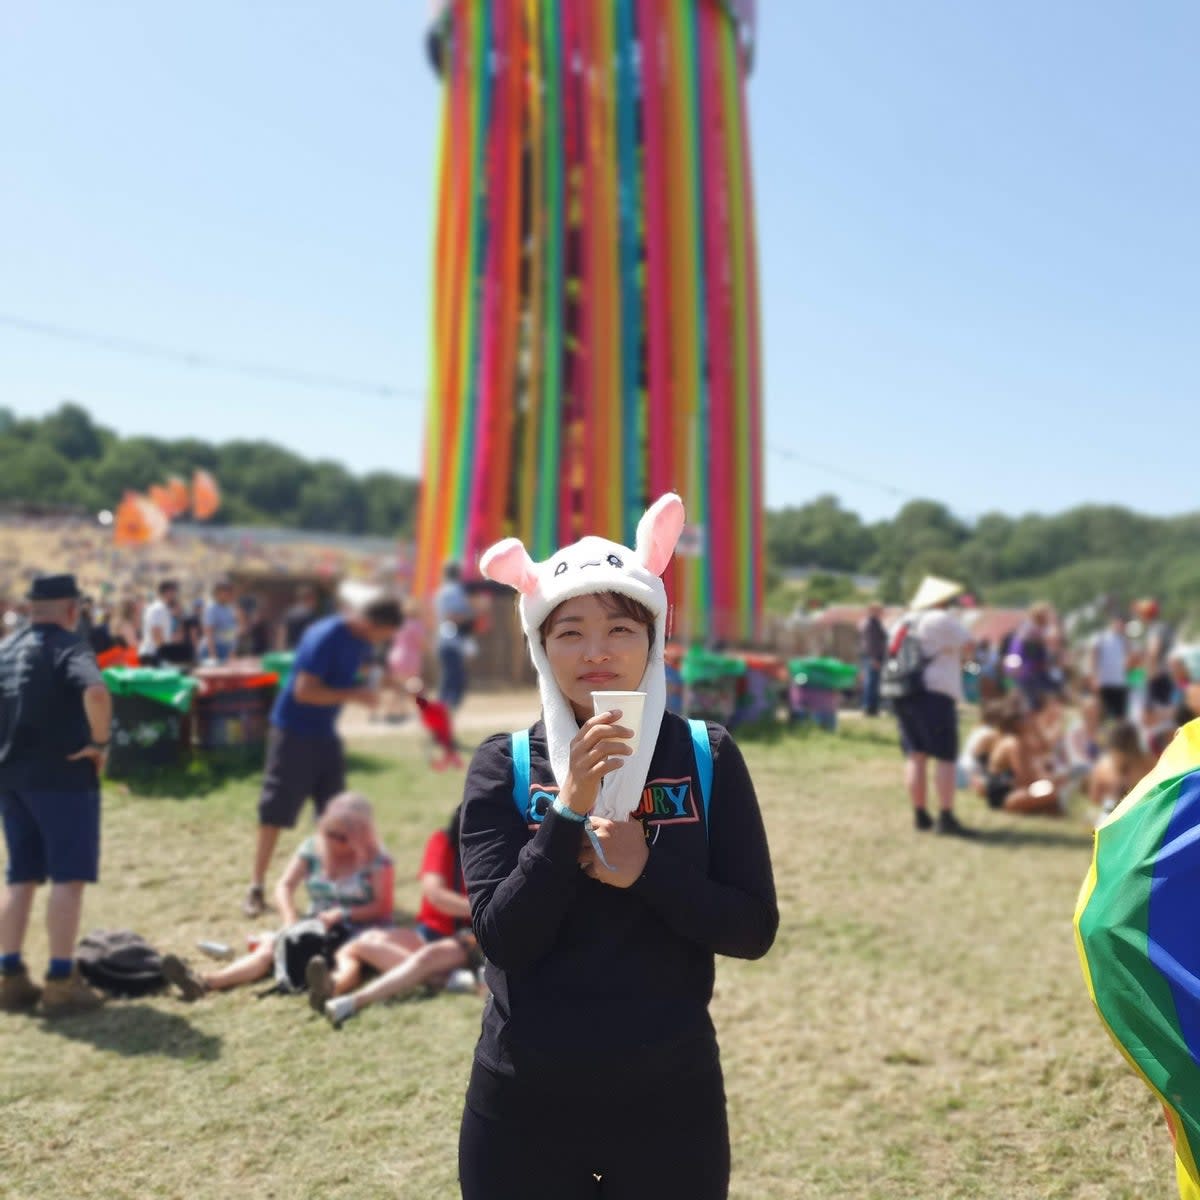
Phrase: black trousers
(1115, 703)
(679, 1149)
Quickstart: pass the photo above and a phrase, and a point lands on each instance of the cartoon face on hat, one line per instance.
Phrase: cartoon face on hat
(591, 565)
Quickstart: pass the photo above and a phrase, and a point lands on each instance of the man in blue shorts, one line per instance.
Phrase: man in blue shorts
(304, 752)
(55, 717)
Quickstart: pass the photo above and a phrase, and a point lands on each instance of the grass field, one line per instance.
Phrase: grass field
(921, 1028)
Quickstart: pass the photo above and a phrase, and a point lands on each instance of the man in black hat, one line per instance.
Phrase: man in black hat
(55, 716)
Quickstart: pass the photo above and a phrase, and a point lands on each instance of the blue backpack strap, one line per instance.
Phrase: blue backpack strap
(520, 757)
(704, 762)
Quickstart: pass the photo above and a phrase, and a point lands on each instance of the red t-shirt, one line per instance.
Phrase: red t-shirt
(439, 860)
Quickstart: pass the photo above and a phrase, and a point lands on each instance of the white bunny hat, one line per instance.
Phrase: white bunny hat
(594, 564)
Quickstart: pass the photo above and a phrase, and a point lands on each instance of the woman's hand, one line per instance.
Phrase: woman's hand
(624, 845)
(596, 751)
(333, 916)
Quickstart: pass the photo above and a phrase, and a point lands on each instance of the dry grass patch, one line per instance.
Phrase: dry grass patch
(920, 1029)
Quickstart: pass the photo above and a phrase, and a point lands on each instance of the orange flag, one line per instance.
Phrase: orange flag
(160, 497)
(138, 521)
(181, 498)
(206, 496)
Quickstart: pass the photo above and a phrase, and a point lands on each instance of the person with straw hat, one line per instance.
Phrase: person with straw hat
(928, 717)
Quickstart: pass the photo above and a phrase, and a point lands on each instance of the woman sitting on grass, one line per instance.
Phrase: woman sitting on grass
(350, 884)
(972, 762)
(1019, 776)
(1124, 761)
(427, 952)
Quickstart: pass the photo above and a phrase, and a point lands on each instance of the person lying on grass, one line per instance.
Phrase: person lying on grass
(427, 952)
(350, 882)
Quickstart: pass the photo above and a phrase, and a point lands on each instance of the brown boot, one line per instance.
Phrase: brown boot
(18, 993)
(62, 997)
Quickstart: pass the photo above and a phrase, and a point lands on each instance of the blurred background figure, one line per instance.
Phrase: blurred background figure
(455, 618)
(220, 624)
(1160, 641)
(872, 647)
(1028, 661)
(405, 661)
(438, 720)
(158, 623)
(1110, 662)
(254, 635)
(298, 618)
(1123, 761)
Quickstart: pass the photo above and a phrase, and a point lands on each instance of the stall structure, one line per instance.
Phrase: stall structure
(734, 688)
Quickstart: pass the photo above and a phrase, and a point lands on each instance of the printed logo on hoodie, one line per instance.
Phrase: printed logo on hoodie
(664, 802)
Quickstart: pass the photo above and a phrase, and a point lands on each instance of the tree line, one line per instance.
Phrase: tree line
(67, 459)
(1089, 553)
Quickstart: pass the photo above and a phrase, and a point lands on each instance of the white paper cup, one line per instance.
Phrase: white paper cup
(631, 706)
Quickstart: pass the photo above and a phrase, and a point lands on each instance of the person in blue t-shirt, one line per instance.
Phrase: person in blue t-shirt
(304, 752)
(220, 624)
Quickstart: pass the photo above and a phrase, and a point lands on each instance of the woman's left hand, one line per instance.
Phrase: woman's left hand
(625, 847)
(333, 916)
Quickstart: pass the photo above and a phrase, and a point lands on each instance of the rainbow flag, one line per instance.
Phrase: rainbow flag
(1136, 932)
(596, 324)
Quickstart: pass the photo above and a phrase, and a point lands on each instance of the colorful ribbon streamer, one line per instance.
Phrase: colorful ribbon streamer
(595, 334)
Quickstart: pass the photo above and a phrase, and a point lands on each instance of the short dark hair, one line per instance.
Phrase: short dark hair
(384, 612)
(452, 570)
(168, 585)
(619, 604)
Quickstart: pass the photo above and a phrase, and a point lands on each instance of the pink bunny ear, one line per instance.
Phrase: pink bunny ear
(509, 562)
(658, 531)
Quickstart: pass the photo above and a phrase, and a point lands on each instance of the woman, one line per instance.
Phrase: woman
(600, 930)
(1019, 779)
(1125, 760)
(350, 883)
(426, 952)
(126, 623)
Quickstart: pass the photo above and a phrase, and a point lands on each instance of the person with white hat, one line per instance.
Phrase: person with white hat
(928, 717)
(606, 861)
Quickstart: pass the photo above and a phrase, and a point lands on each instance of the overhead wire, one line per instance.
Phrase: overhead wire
(207, 360)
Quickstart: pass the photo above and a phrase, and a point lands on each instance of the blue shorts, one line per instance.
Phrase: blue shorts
(52, 834)
(428, 934)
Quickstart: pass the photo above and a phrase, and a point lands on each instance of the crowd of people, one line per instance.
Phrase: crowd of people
(1058, 717)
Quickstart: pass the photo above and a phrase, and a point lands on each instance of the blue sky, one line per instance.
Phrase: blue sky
(978, 226)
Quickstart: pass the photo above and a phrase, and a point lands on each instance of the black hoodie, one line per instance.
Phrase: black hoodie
(596, 988)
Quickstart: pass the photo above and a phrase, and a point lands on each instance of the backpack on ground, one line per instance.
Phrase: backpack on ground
(903, 674)
(121, 963)
(296, 946)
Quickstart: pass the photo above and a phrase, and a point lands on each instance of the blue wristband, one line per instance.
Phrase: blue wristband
(565, 810)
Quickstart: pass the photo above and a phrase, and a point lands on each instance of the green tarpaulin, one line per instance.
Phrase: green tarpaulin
(279, 662)
(703, 666)
(160, 684)
(830, 674)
